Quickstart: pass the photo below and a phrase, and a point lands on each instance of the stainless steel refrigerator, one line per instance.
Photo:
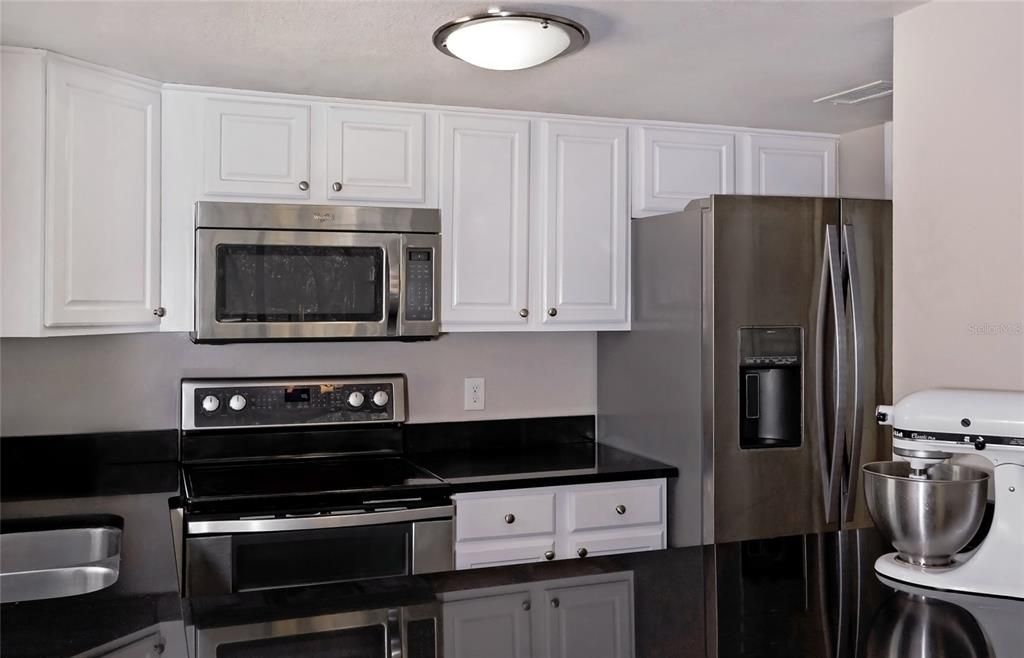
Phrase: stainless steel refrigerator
(761, 342)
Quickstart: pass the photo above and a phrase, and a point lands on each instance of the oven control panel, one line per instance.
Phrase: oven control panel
(419, 285)
(226, 404)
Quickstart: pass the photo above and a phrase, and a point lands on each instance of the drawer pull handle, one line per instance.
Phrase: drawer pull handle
(336, 187)
(303, 185)
(555, 603)
(620, 509)
(526, 605)
(582, 552)
(549, 555)
(510, 518)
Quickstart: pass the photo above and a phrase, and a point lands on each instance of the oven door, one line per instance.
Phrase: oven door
(308, 285)
(406, 632)
(225, 556)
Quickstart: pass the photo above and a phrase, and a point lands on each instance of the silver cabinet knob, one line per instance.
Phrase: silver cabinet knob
(303, 185)
(555, 603)
(552, 311)
(582, 551)
(336, 187)
(526, 605)
(524, 312)
(159, 311)
(620, 509)
(549, 555)
(510, 518)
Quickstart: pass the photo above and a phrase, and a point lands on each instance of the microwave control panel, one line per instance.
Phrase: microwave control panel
(419, 285)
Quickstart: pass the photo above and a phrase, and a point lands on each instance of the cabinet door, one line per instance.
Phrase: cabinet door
(476, 555)
(375, 154)
(256, 149)
(485, 213)
(102, 245)
(590, 621)
(611, 542)
(791, 165)
(585, 226)
(488, 627)
(672, 167)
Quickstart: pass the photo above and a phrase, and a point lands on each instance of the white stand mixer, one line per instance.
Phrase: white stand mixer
(928, 427)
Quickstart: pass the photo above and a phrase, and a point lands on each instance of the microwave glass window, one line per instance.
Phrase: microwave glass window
(286, 283)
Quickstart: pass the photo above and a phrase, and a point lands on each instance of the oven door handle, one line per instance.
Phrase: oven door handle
(240, 526)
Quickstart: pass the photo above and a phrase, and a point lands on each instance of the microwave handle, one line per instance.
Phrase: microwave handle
(393, 275)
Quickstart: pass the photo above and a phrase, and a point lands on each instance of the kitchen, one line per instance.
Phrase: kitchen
(516, 353)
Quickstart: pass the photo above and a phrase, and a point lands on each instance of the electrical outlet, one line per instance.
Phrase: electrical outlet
(474, 399)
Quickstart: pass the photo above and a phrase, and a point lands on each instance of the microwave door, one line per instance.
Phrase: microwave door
(299, 285)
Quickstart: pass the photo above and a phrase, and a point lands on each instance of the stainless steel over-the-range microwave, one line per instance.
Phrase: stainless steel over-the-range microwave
(304, 272)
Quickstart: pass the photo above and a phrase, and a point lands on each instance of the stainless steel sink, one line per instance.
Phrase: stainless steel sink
(48, 564)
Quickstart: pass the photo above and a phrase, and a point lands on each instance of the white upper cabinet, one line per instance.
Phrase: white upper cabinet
(792, 165)
(485, 212)
(102, 216)
(375, 154)
(671, 167)
(584, 225)
(256, 148)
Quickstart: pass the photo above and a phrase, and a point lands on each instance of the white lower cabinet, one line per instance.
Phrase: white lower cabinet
(590, 621)
(585, 617)
(496, 528)
(488, 627)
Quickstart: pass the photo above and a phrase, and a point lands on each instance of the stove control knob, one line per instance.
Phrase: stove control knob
(237, 402)
(355, 399)
(380, 399)
(211, 403)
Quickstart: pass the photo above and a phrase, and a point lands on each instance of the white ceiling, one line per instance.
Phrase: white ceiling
(755, 64)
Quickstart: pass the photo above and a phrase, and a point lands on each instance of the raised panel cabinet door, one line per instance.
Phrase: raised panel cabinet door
(488, 627)
(590, 621)
(672, 167)
(256, 148)
(485, 199)
(585, 226)
(376, 154)
(793, 165)
(480, 554)
(102, 216)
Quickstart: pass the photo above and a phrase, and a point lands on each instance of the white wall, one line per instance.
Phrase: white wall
(958, 207)
(130, 381)
(862, 163)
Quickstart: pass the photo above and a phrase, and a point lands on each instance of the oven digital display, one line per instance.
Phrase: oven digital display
(297, 394)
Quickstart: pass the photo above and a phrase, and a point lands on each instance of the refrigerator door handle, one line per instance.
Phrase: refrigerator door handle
(856, 313)
(831, 282)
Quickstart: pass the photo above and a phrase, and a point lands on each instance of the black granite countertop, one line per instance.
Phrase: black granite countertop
(57, 481)
(518, 453)
(557, 464)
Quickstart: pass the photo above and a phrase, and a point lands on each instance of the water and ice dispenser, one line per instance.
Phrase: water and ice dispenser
(771, 387)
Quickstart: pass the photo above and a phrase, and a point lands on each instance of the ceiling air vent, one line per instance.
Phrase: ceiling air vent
(876, 89)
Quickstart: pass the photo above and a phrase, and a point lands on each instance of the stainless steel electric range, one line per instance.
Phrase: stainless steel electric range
(302, 481)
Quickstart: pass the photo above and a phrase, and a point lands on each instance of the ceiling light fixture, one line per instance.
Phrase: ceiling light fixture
(510, 40)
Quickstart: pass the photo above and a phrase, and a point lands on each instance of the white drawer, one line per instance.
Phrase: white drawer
(504, 516)
(623, 541)
(495, 554)
(616, 506)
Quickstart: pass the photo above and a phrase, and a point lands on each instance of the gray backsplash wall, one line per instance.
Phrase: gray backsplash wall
(130, 381)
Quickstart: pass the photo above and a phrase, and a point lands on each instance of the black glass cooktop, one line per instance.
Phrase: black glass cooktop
(308, 482)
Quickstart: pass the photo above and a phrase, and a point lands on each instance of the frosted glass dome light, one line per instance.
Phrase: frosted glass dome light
(508, 41)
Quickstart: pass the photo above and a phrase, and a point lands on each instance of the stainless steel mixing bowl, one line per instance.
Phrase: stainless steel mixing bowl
(927, 520)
